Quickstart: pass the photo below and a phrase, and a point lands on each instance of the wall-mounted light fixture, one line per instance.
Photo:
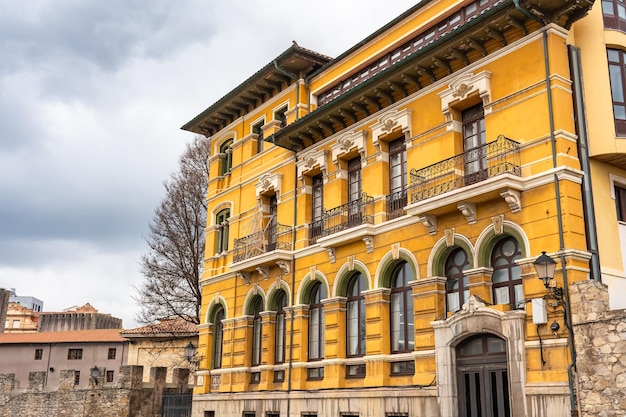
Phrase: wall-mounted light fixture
(191, 354)
(95, 374)
(545, 267)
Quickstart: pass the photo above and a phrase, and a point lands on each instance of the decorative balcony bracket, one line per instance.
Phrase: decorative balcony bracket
(369, 243)
(430, 222)
(513, 198)
(245, 276)
(468, 210)
(331, 255)
(264, 271)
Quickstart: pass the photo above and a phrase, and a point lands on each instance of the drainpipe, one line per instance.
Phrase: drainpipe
(583, 152)
(293, 280)
(567, 317)
(293, 77)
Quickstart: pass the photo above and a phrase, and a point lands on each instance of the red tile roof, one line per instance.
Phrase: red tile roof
(75, 336)
(166, 327)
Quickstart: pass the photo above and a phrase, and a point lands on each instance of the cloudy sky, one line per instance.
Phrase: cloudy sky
(92, 97)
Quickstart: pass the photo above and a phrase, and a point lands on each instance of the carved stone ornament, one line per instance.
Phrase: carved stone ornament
(462, 90)
(390, 121)
(430, 222)
(498, 224)
(449, 234)
(473, 304)
(513, 198)
(313, 271)
(255, 290)
(216, 299)
(389, 124)
(395, 251)
(369, 243)
(245, 276)
(269, 182)
(264, 271)
(331, 254)
(284, 266)
(468, 210)
(351, 263)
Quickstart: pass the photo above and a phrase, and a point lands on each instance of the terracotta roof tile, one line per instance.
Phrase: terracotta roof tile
(99, 335)
(170, 326)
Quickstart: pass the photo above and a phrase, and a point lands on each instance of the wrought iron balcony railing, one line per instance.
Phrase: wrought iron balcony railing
(343, 217)
(276, 236)
(501, 156)
(395, 204)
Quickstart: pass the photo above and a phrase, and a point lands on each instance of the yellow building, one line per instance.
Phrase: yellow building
(600, 39)
(374, 221)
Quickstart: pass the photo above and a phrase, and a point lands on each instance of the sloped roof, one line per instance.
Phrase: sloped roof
(75, 336)
(174, 326)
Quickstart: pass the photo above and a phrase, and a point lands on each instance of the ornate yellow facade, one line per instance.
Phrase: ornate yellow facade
(374, 219)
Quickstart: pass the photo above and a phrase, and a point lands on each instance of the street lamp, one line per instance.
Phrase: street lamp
(545, 267)
(95, 373)
(190, 352)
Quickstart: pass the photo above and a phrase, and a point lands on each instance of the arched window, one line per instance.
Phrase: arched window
(221, 224)
(226, 154)
(281, 303)
(257, 307)
(218, 338)
(457, 290)
(402, 334)
(316, 322)
(355, 318)
(506, 278)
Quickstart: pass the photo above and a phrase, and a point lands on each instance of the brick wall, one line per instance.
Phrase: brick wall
(600, 340)
(129, 398)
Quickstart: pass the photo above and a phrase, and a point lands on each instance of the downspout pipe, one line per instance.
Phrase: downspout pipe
(293, 77)
(293, 281)
(557, 190)
(583, 153)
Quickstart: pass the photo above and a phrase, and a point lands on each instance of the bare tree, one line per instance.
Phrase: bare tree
(173, 263)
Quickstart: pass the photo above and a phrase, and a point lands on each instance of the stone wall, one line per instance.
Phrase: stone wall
(129, 398)
(600, 340)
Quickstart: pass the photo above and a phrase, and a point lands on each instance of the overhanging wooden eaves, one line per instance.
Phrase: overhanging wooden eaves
(504, 23)
(257, 89)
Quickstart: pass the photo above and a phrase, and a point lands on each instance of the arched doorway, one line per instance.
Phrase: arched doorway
(482, 377)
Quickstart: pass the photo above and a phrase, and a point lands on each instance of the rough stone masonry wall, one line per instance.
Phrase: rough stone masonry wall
(129, 398)
(600, 341)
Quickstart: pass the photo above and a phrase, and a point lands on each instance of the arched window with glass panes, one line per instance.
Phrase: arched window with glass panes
(402, 333)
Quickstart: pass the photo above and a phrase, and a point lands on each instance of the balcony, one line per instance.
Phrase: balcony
(263, 248)
(502, 156)
(343, 217)
(396, 202)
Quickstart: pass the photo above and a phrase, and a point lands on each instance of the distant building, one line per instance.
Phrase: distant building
(77, 318)
(27, 301)
(20, 319)
(161, 344)
(4, 303)
(52, 352)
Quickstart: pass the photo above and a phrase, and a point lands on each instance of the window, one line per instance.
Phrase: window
(209, 414)
(74, 354)
(218, 338)
(109, 376)
(257, 306)
(402, 334)
(316, 322)
(396, 201)
(617, 66)
(620, 203)
(354, 192)
(315, 373)
(280, 334)
(317, 206)
(38, 354)
(474, 137)
(76, 377)
(221, 224)
(279, 376)
(257, 129)
(355, 317)
(355, 371)
(457, 291)
(272, 414)
(112, 353)
(255, 377)
(226, 154)
(281, 115)
(16, 324)
(614, 12)
(403, 368)
(506, 278)
(249, 414)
